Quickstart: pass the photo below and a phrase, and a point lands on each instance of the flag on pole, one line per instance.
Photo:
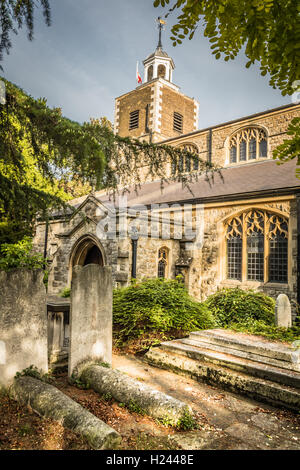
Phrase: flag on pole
(138, 77)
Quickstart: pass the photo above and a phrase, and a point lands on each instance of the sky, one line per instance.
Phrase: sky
(88, 57)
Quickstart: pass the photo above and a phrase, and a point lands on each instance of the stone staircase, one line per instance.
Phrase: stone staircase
(247, 364)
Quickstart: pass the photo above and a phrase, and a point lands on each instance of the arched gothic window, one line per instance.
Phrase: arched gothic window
(257, 247)
(162, 263)
(185, 162)
(247, 145)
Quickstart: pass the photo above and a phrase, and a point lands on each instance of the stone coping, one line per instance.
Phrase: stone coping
(57, 304)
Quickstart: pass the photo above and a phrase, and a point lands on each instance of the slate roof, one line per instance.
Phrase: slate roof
(159, 52)
(253, 180)
(235, 182)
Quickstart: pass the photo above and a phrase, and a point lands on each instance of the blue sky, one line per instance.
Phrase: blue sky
(88, 57)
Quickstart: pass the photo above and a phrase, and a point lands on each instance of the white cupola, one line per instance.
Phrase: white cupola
(158, 64)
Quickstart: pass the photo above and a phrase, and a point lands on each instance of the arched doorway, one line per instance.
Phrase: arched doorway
(87, 250)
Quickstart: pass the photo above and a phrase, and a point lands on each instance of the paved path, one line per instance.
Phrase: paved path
(228, 421)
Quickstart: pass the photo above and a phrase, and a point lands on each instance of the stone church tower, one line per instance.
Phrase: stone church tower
(156, 110)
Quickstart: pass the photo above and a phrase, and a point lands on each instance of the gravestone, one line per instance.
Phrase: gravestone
(23, 323)
(283, 312)
(90, 317)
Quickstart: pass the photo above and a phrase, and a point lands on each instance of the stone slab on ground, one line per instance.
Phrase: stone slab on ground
(49, 402)
(132, 392)
(248, 364)
(222, 413)
(261, 347)
(225, 377)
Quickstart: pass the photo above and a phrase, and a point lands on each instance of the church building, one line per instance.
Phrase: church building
(246, 222)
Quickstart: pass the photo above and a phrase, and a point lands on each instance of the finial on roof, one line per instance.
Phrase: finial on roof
(161, 24)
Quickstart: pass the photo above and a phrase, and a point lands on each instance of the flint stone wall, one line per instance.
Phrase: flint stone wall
(23, 323)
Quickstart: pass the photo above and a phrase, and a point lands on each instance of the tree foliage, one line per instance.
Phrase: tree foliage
(267, 30)
(20, 255)
(41, 152)
(14, 14)
(290, 148)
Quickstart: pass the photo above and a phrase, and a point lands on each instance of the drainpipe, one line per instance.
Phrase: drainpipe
(210, 146)
(134, 240)
(298, 249)
(46, 241)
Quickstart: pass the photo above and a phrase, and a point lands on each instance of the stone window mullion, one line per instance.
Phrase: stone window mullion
(266, 248)
(244, 250)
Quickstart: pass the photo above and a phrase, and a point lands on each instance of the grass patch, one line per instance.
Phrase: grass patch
(33, 371)
(272, 332)
(187, 422)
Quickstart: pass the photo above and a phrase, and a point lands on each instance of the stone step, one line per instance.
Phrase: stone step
(237, 381)
(241, 353)
(249, 343)
(250, 367)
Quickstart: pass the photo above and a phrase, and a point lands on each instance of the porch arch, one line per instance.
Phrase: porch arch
(87, 250)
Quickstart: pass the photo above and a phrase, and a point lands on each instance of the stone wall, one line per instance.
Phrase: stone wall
(90, 316)
(63, 237)
(135, 100)
(147, 257)
(208, 270)
(23, 323)
(275, 123)
(172, 101)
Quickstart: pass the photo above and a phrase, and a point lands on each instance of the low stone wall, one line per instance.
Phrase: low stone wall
(23, 323)
(50, 402)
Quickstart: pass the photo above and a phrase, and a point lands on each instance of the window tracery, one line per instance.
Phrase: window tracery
(257, 247)
(162, 262)
(185, 162)
(248, 144)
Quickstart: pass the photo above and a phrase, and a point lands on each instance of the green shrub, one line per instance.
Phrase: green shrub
(20, 255)
(241, 306)
(65, 293)
(157, 305)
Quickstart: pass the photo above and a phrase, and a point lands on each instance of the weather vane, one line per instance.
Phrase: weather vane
(161, 23)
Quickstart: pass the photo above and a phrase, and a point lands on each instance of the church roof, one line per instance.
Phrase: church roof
(248, 180)
(234, 183)
(159, 52)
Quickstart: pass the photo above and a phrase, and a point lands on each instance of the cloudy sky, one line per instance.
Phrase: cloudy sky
(88, 57)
